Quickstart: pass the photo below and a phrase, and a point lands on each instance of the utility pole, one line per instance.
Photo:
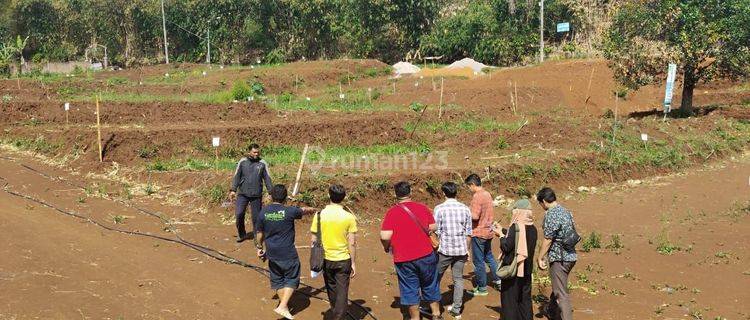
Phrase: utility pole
(208, 44)
(541, 31)
(164, 26)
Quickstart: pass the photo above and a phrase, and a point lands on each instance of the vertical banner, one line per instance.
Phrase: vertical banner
(671, 73)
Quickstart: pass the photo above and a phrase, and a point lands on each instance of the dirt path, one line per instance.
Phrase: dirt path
(58, 267)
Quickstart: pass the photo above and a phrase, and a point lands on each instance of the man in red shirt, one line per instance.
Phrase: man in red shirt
(405, 234)
(482, 216)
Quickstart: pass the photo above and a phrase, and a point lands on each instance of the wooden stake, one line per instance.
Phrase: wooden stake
(588, 89)
(394, 87)
(66, 117)
(296, 82)
(440, 106)
(299, 171)
(614, 125)
(515, 96)
(99, 130)
(416, 125)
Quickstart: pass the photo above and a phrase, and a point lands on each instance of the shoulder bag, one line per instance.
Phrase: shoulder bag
(434, 241)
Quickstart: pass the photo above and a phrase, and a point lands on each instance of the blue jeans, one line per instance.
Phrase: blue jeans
(418, 280)
(481, 253)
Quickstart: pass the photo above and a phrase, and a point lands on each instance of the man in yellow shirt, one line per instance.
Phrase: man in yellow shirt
(339, 229)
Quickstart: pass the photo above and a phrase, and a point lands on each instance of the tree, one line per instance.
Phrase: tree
(705, 38)
(497, 32)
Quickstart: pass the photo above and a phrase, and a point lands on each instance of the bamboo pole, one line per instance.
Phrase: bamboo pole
(440, 107)
(588, 89)
(299, 171)
(416, 125)
(515, 96)
(99, 130)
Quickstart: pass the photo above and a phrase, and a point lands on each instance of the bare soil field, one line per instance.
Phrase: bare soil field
(146, 227)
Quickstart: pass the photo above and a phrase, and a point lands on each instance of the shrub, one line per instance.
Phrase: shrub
(147, 152)
(241, 91)
(215, 194)
(276, 56)
(593, 241)
(615, 243)
(502, 143)
(417, 107)
(257, 88)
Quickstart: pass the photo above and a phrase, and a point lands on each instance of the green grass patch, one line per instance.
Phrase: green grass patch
(117, 81)
(283, 155)
(215, 194)
(219, 97)
(38, 145)
(353, 101)
(627, 148)
(465, 125)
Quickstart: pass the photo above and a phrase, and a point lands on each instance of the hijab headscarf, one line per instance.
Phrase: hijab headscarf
(522, 217)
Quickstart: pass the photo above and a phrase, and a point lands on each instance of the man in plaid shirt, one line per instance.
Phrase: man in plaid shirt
(453, 221)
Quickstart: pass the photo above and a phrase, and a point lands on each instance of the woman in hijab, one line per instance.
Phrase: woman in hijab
(516, 291)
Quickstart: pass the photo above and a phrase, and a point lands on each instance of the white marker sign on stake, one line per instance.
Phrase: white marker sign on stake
(644, 137)
(342, 96)
(215, 142)
(671, 74)
(67, 106)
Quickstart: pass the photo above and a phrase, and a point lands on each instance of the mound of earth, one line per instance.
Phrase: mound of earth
(401, 68)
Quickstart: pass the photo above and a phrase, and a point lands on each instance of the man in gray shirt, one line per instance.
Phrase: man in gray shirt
(247, 187)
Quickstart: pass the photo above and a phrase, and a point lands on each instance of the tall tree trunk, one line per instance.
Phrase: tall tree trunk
(688, 86)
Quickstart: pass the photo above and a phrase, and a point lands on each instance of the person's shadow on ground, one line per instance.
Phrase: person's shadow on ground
(356, 311)
(299, 301)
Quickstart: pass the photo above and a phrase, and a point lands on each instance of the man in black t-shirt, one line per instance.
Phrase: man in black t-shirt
(275, 230)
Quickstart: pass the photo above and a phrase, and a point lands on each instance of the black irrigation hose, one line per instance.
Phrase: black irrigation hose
(203, 249)
(208, 252)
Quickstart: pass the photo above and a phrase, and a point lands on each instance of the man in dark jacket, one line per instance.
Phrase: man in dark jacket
(247, 187)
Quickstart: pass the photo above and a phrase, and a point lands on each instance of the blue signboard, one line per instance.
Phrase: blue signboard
(563, 27)
(671, 73)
